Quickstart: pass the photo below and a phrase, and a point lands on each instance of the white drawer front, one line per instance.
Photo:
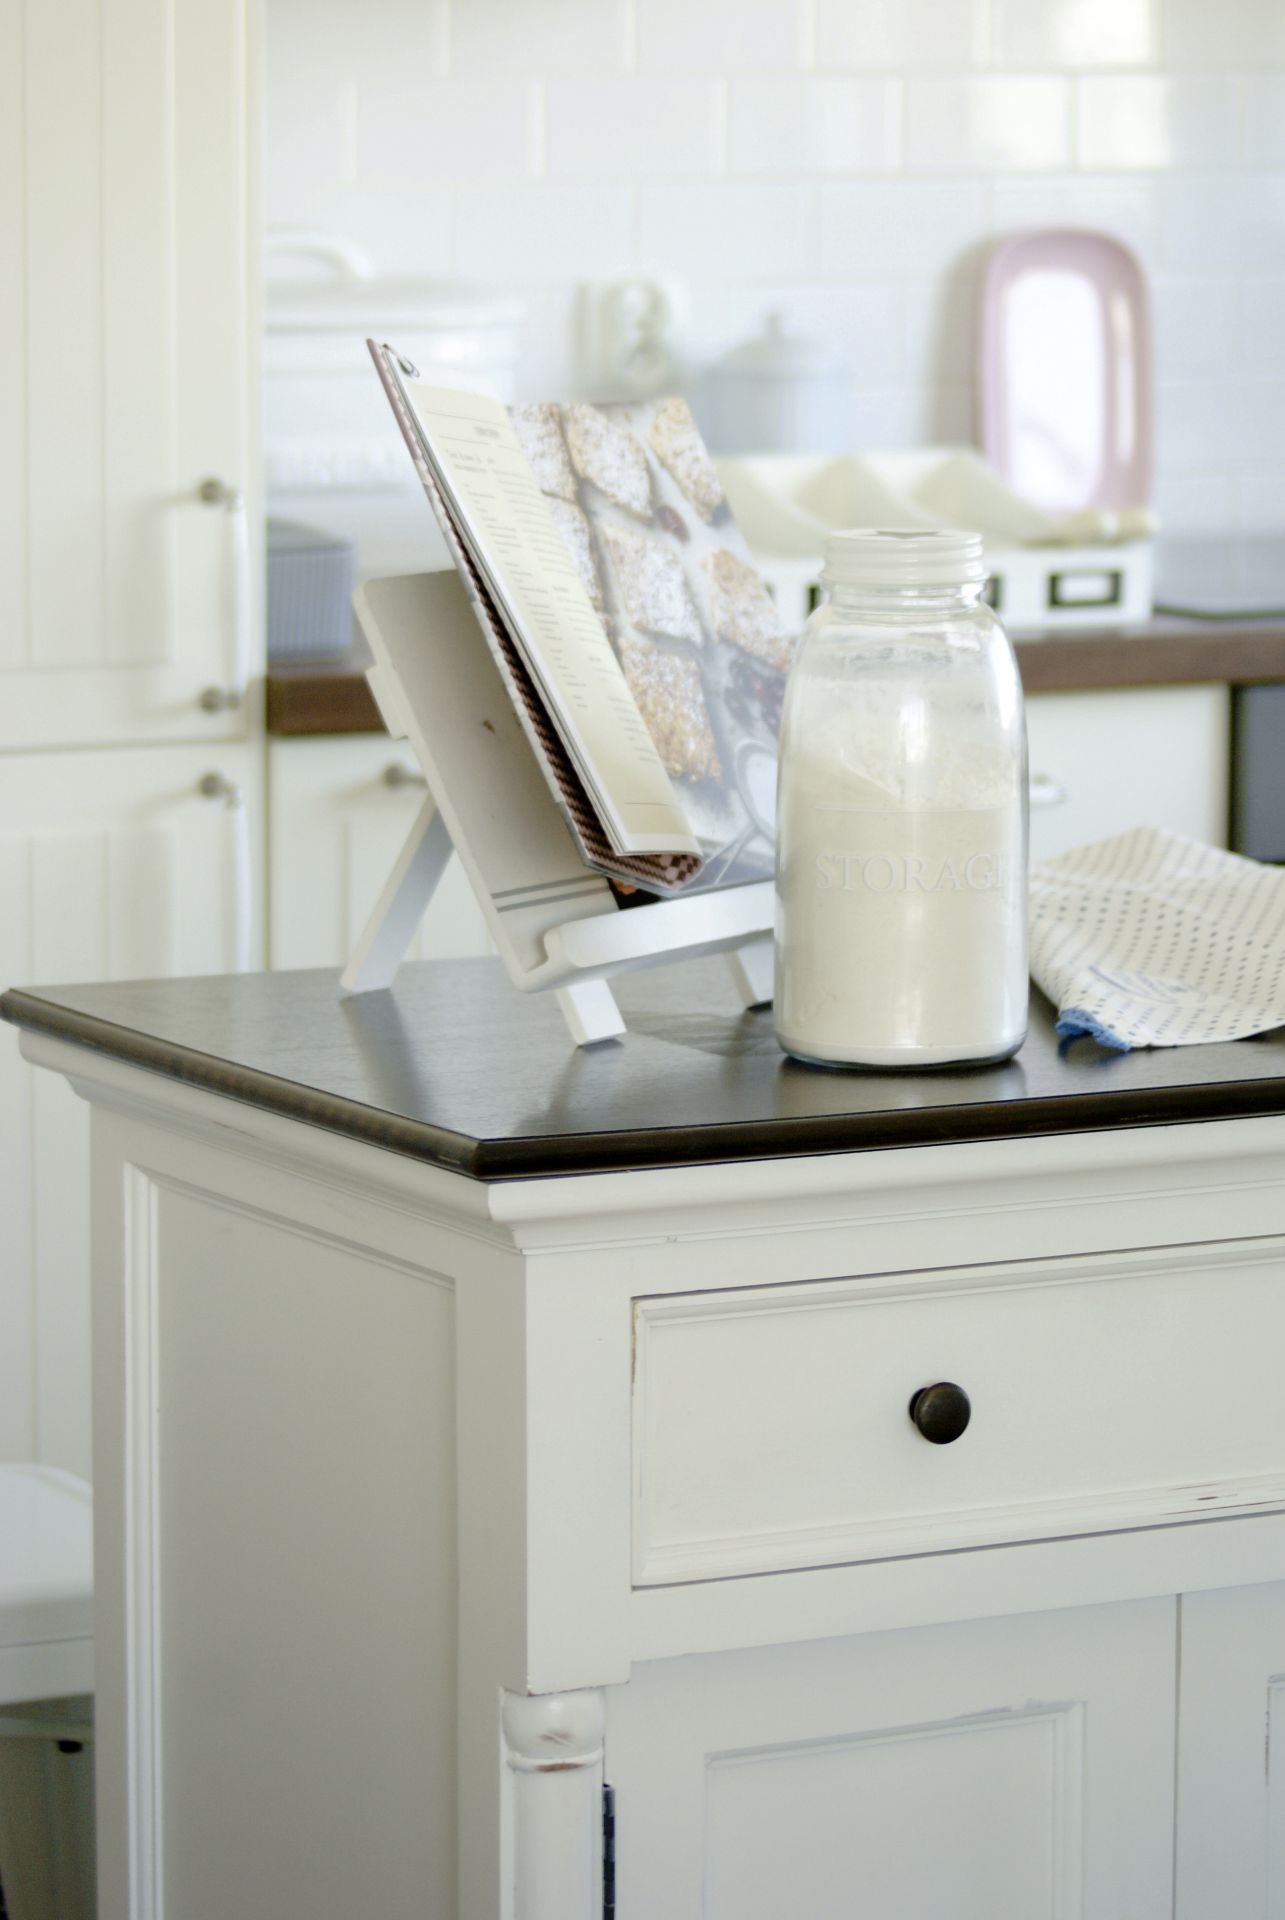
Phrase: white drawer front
(772, 1426)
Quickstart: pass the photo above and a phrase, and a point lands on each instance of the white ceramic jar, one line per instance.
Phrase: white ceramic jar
(901, 815)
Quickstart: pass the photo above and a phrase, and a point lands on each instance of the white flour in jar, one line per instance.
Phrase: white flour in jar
(900, 929)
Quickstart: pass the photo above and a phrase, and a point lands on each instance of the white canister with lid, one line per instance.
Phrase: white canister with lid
(778, 393)
(901, 814)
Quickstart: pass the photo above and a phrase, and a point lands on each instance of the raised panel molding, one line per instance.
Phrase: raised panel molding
(112, 866)
(998, 1821)
(128, 344)
(759, 1414)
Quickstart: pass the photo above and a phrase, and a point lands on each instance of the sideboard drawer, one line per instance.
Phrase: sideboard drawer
(772, 1425)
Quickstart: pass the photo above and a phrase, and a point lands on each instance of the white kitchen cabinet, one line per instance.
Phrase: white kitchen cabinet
(339, 808)
(128, 342)
(112, 866)
(1012, 1769)
(1107, 761)
(472, 1436)
(1231, 1756)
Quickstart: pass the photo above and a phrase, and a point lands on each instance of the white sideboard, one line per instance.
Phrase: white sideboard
(481, 1425)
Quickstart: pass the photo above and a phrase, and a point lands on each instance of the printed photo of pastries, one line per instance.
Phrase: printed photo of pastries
(638, 502)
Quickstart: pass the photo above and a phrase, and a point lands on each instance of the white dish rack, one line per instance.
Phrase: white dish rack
(1041, 577)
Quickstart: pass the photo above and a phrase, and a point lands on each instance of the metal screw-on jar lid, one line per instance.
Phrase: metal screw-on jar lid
(903, 557)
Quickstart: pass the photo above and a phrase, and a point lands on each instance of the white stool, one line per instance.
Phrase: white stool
(46, 1687)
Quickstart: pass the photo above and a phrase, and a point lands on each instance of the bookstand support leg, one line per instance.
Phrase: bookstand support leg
(590, 1011)
(751, 969)
(400, 907)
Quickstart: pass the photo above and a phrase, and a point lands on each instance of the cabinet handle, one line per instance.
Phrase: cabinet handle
(941, 1412)
(217, 786)
(395, 775)
(1046, 792)
(218, 493)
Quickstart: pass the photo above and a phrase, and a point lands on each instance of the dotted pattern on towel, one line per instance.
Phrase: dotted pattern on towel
(1160, 941)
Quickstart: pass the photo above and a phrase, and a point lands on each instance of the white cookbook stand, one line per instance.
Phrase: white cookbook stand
(555, 923)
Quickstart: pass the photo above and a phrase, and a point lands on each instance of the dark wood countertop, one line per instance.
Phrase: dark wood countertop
(331, 696)
(453, 1066)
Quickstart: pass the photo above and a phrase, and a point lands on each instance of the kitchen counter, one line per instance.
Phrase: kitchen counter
(796, 1441)
(455, 1067)
(331, 696)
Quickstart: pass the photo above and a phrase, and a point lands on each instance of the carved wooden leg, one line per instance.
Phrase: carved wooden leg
(553, 1750)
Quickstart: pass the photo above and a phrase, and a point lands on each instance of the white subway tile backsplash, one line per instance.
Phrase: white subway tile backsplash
(726, 231)
(996, 122)
(903, 35)
(1116, 204)
(1264, 106)
(1194, 324)
(545, 233)
(630, 128)
(1033, 35)
(898, 229)
(1225, 223)
(846, 162)
(406, 233)
(716, 36)
(939, 326)
(444, 130)
(1198, 504)
(861, 324)
(1260, 325)
(808, 125)
(534, 37)
(1153, 120)
(1242, 33)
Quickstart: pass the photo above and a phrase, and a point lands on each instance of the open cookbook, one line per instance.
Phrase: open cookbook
(642, 651)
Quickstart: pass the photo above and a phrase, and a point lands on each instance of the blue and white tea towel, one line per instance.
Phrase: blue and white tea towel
(1152, 940)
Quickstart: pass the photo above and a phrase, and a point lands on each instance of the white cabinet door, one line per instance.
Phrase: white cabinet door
(1014, 1769)
(126, 356)
(112, 865)
(1231, 1755)
(337, 818)
(1134, 757)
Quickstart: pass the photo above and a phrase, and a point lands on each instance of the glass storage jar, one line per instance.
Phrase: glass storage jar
(901, 815)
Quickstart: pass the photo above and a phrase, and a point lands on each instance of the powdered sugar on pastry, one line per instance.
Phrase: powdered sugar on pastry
(676, 440)
(539, 428)
(652, 585)
(743, 610)
(667, 689)
(577, 537)
(609, 456)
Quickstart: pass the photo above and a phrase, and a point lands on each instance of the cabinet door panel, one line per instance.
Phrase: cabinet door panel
(1102, 763)
(125, 367)
(335, 828)
(112, 866)
(1017, 1769)
(1231, 1755)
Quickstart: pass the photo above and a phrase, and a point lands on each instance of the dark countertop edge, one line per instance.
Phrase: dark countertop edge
(632, 1150)
(306, 697)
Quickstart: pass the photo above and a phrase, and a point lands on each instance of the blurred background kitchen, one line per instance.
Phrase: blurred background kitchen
(786, 208)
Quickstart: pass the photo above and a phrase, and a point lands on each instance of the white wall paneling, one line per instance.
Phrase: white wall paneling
(335, 826)
(112, 866)
(127, 348)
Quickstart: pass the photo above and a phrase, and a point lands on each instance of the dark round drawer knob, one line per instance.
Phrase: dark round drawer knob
(941, 1412)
